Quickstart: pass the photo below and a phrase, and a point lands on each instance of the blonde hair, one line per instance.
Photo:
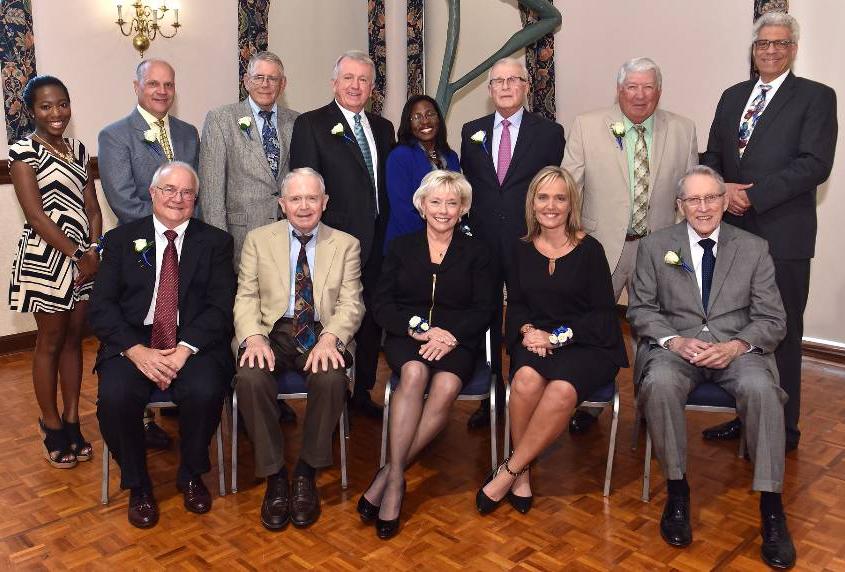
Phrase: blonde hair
(451, 180)
(545, 176)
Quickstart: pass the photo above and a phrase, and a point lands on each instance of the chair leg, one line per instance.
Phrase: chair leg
(611, 448)
(221, 465)
(494, 461)
(742, 444)
(385, 418)
(635, 430)
(506, 450)
(234, 441)
(344, 482)
(104, 493)
(647, 468)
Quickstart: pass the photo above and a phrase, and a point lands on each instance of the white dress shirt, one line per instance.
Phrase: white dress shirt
(152, 122)
(259, 121)
(311, 256)
(515, 123)
(371, 141)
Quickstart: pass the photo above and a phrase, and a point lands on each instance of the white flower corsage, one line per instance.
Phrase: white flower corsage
(150, 136)
(618, 131)
(143, 246)
(673, 258)
(337, 129)
(480, 138)
(245, 122)
(560, 336)
(418, 325)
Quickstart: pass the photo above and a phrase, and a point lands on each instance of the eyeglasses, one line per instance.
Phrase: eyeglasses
(706, 200)
(498, 82)
(269, 79)
(779, 45)
(171, 192)
(431, 115)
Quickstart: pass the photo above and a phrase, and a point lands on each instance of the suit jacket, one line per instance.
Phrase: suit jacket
(790, 153)
(339, 160)
(498, 211)
(264, 281)
(237, 190)
(462, 298)
(123, 291)
(127, 162)
(744, 300)
(600, 169)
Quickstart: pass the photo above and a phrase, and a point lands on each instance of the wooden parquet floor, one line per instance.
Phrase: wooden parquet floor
(52, 519)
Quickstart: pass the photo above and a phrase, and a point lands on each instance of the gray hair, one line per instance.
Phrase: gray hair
(303, 172)
(356, 55)
(680, 191)
(264, 57)
(170, 165)
(141, 68)
(776, 19)
(451, 180)
(636, 65)
(520, 62)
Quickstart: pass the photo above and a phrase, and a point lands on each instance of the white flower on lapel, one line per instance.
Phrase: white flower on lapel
(150, 136)
(245, 123)
(140, 244)
(618, 131)
(337, 129)
(673, 258)
(478, 137)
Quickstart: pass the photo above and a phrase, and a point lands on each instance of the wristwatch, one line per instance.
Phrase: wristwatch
(668, 343)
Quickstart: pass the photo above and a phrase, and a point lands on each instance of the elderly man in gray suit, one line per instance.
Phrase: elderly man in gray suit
(705, 306)
(132, 148)
(245, 153)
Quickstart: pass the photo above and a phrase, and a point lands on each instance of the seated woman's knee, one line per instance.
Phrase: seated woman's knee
(527, 382)
(414, 377)
(562, 393)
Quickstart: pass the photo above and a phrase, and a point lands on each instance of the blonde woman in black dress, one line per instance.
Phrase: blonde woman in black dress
(559, 283)
(55, 262)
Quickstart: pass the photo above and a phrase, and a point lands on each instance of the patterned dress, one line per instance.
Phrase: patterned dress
(42, 276)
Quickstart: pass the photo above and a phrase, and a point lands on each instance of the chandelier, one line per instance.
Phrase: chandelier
(144, 23)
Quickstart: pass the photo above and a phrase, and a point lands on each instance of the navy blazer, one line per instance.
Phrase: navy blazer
(406, 167)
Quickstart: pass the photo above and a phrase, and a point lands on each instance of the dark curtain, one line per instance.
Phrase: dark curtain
(378, 51)
(416, 50)
(540, 60)
(252, 34)
(17, 58)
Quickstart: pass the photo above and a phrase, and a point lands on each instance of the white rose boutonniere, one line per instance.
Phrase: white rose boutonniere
(673, 258)
(618, 131)
(480, 138)
(338, 131)
(245, 123)
(143, 246)
(150, 136)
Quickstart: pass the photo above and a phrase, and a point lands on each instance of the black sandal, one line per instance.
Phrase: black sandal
(57, 450)
(78, 445)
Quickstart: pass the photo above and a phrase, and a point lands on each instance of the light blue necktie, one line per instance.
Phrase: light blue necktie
(365, 151)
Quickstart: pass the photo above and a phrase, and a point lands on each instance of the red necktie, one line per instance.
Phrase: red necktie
(504, 152)
(167, 299)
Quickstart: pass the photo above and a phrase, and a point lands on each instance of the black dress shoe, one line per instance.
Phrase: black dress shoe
(777, 549)
(286, 413)
(304, 502)
(275, 509)
(143, 510)
(387, 529)
(155, 437)
(485, 504)
(674, 524)
(724, 432)
(197, 497)
(362, 404)
(580, 422)
(480, 417)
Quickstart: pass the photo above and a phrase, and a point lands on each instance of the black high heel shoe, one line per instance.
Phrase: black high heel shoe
(485, 504)
(387, 529)
(521, 504)
(78, 445)
(367, 510)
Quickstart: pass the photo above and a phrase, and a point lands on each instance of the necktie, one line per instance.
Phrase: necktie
(167, 298)
(708, 262)
(504, 155)
(303, 309)
(365, 151)
(750, 118)
(639, 224)
(270, 141)
(165, 141)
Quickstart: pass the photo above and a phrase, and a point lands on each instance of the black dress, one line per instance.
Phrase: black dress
(578, 295)
(456, 295)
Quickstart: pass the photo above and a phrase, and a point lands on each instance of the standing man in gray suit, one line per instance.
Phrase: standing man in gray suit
(131, 151)
(245, 153)
(705, 306)
(132, 148)
(626, 160)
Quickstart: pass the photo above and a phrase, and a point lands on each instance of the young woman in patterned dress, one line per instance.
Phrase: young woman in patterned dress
(55, 262)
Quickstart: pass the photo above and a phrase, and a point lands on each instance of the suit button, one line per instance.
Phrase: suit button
(703, 321)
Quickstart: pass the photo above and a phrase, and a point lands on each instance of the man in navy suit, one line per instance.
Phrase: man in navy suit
(162, 309)
(773, 140)
(500, 154)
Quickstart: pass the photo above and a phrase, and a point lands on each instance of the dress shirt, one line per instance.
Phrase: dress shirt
(259, 121)
(775, 83)
(152, 121)
(310, 255)
(630, 139)
(368, 133)
(515, 123)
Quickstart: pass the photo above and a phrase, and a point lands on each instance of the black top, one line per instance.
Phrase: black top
(462, 286)
(579, 295)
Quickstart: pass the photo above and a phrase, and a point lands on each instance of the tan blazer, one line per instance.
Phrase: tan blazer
(600, 169)
(264, 281)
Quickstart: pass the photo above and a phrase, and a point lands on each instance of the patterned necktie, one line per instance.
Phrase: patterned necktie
(750, 118)
(167, 298)
(504, 155)
(639, 223)
(365, 151)
(303, 308)
(708, 262)
(270, 141)
(165, 141)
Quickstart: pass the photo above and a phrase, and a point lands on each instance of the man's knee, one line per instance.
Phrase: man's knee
(758, 387)
(252, 380)
(327, 382)
(660, 384)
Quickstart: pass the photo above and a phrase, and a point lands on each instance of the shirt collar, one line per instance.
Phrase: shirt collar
(350, 115)
(629, 125)
(694, 238)
(160, 228)
(515, 119)
(256, 109)
(775, 83)
(151, 119)
(294, 233)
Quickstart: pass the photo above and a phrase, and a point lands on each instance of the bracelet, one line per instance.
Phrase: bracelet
(560, 336)
(78, 254)
(526, 328)
(668, 343)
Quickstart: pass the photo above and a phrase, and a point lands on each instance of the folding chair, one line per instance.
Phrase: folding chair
(161, 400)
(481, 386)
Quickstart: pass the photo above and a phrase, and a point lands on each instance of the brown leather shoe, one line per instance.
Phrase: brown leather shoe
(143, 510)
(304, 502)
(275, 508)
(197, 497)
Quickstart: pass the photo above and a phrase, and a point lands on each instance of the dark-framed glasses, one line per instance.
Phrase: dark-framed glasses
(499, 82)
(779, 45)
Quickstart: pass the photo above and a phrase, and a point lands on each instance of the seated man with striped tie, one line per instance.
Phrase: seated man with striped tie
(706, 308)
(298, 305)
(162, 309)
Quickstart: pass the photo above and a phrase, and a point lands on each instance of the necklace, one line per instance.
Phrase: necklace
(553, 259)
(67, 155)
